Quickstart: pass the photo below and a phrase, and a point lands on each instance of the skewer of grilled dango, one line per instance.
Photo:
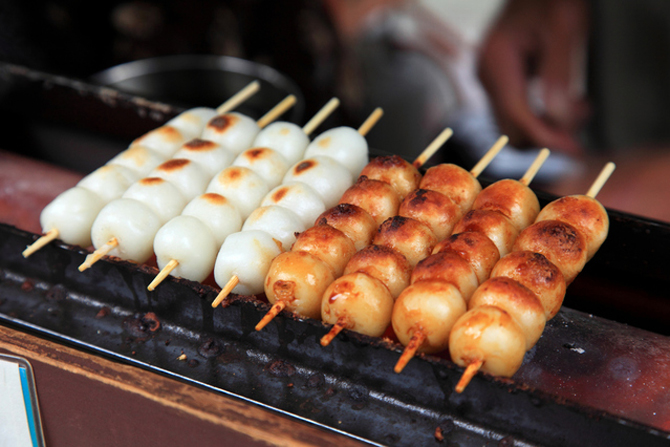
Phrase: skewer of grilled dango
(222, 216)
(71, 214)
(400, 243)
(297, 278)
(459, 185)
(503, 323)
(382, 196)
(505, 208)
(324, 175)
(464, 261)
(127, 229)
(337, 235)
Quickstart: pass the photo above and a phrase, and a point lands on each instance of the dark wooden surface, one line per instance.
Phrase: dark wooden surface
(87, 400)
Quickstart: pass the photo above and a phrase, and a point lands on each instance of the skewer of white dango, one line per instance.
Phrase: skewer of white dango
(237, 132)
(187, 245)
(70, 215)
(108, 233)
(346, 145)
(190, 124)
(244, 185)
(126, 227)
(291, 140)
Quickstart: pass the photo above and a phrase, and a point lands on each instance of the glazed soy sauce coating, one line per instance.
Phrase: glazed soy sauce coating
(534, 271)
(454, 182)
(409, 237)
(559, 242)
(378, 198)
(476, 248)
(512, 199)
(431, 307)
(299, 279)
(353, 221)
(384, 264)
(490, 333)
(364, 301)
(584, 213)
(432, 208)
(328, 244)
(515, 299)
(494, 225)
(449, 267)
(395, 171)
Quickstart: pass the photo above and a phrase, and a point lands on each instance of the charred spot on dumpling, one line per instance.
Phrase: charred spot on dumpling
(222, 122)
(150, 181)
(175, 164)
(304, 166)
(198, 144)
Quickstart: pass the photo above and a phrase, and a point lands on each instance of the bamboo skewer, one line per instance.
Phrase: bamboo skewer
(165, 271)
(230, 285)
(340, 324)
(370, 122)
(418, 337)
(535, 167)
(273, 312)
(239, 97)
(489, 156)
(48, 237)
(600, 181)
(432, 148)
(98, 254)
(276, 111)
(320, 116)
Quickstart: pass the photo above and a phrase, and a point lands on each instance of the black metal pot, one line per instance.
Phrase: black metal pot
(203, 80)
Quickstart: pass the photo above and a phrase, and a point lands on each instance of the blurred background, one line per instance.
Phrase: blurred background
(588, 79)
